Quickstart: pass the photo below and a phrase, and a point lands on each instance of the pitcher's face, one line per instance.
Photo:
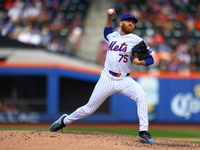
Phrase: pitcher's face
(127, 26)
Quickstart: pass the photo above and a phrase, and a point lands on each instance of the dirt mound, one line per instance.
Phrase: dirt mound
(82, 140)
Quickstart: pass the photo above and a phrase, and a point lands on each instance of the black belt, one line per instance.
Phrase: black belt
(117, 74)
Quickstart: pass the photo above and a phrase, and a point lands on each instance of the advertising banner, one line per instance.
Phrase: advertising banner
(179, 101)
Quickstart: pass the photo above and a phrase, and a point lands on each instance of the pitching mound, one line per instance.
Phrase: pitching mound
(45, 140)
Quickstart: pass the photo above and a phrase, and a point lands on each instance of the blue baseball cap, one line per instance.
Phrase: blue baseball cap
(127, 16)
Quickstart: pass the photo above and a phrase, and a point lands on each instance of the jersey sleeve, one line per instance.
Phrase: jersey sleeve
(107, 31)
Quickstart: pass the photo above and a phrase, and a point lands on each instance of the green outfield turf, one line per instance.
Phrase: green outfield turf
(155, 133)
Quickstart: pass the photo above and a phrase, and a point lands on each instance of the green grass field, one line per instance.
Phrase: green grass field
(155, 133)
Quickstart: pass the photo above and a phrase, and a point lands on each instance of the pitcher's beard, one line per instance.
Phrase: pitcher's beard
(127, 30)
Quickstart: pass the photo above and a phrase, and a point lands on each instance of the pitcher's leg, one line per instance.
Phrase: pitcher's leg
(102, 90)
(132, 89)
(142, 111)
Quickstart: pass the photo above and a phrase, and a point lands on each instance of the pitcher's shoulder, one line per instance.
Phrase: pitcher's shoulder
(136, 37)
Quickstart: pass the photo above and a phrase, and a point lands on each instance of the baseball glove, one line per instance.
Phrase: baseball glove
(140, 51)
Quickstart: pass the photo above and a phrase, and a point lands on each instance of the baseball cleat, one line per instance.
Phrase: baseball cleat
(58, 124)
(145, 137)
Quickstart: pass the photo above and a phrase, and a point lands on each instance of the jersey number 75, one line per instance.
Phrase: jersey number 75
(123, 58)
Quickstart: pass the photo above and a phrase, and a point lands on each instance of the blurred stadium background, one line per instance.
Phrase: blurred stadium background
(52, 52)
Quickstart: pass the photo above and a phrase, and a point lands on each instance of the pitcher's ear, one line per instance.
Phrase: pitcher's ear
(120, 23)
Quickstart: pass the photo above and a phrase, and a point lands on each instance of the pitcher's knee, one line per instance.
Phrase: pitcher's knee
(88, 111)
(141, 97)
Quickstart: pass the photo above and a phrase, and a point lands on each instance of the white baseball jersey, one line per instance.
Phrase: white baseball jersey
(117, 60)
(119, 52)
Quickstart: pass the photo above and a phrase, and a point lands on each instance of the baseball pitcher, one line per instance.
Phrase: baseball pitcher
(125, 49)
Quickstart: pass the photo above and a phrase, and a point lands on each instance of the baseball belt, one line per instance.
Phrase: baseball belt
(116, 74)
